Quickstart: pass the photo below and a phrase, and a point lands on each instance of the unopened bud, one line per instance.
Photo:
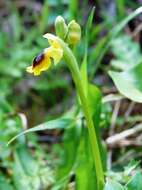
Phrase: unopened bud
(61, 27)
(74, 33)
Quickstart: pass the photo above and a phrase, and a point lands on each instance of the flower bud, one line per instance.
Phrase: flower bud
(74, 33)
(61, 27)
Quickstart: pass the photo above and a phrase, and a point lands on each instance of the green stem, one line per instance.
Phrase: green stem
(73, 66)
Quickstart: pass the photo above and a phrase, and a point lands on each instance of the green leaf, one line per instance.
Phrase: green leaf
(29, 173)
(105, 43)
(71, 139)
(129, 83)
(85, 174)
(136, 182)
(85, 171)
(59, 123)
(113, 185)
(28, 163)
(126, 51)
(44, 16)
(4, 184)
(14, 21)
(123, 23)
(21, 180)
(120, 4)
(94, 98)
(130, 167)
(73, 8)
(83, 69)
(4, 105)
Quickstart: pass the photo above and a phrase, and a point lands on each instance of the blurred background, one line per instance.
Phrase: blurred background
(25, 101)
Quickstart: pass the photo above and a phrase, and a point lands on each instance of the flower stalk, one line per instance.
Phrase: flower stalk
(73, 66)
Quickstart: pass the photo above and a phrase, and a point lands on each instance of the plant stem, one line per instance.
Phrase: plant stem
(73, 66)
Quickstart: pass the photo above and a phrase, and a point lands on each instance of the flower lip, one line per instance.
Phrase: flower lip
(37, 60)
(44, 59)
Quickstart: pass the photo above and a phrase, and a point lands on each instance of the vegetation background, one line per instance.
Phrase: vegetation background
(46, 159)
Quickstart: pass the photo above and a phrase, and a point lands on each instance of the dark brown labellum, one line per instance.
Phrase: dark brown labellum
(37, 60)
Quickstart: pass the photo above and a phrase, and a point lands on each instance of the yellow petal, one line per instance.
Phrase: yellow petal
(56, 54)
(52, 40)
(29, 69)
(37, 72)
(55, 51)
(46, 64)
(50, 37)
(40, 63)
(43, 66)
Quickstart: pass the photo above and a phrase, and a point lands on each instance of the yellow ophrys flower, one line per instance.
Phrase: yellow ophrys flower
(71, 34)
(43, 60)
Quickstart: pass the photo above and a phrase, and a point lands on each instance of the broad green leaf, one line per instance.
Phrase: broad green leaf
(127, 52)
(129, 83)
(85, 174)
(113, 185)
(136, 182)
(94, 98)
(59, 123)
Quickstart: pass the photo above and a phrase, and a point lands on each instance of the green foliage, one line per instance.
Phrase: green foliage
(135, 182)
(83, 68)
(60, 123)
(127, 53)
(84, 166)
(128, 59)
(56, 153)
(129, 82)
(4, 184)
(112, 185)
(104, 44)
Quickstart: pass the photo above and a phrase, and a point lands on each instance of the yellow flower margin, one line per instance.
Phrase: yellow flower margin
(43, 60)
